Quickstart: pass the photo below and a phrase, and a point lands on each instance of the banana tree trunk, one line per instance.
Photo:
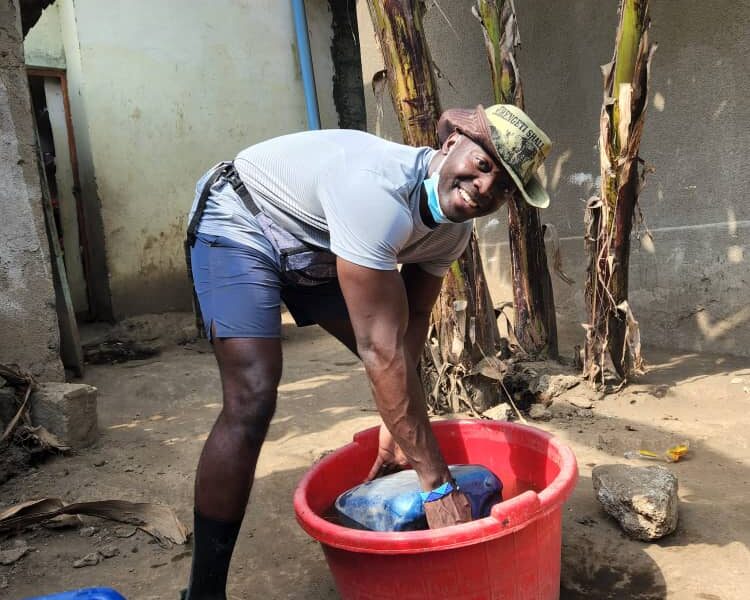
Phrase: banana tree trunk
(612, 328)
(533, 297)
(464, 329)
(400, 32)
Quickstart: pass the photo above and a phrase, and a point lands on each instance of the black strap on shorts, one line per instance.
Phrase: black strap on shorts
(219, 171)
(224, 170)
(233, 178)
(302, 263)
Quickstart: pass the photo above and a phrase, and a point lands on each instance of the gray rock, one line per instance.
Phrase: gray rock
(501, 412)
(539, 413)
(109, 551)
(89, 560)
(124, 531)
(550, 385)
(642, 499)
(88, 531)
(13, 553)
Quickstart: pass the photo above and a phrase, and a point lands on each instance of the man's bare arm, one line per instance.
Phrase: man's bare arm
(379, 309)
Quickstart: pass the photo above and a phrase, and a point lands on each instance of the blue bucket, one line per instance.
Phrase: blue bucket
(83, 594)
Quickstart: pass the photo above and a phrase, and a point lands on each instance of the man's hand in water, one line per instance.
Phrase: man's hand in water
(390, 458)
(449, 510)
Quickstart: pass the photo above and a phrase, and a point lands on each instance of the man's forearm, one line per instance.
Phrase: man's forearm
(389, 311)
(414, 341)
(400, 400)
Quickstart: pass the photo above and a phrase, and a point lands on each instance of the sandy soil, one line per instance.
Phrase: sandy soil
(155, 413)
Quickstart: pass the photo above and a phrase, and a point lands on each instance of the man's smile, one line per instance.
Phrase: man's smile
(466, 197)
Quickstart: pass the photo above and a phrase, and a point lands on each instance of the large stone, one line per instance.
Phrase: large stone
(540, 382)
(501, 412)
(642, 499)
(538, 412)
(68, 410)
(550, 385)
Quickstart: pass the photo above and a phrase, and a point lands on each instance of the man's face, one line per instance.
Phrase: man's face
(471, 183)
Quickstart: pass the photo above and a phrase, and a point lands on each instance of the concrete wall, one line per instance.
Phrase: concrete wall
(43, 45)
(689, 287)
(163, 91)
(28, 321)
(159, 91)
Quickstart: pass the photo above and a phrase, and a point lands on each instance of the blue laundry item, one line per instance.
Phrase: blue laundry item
(393, 502)
(98, 593)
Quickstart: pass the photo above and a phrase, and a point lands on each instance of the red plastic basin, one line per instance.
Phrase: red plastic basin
(514, 554)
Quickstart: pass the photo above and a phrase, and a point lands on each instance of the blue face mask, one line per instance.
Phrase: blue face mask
(433, 202)
(433, 199)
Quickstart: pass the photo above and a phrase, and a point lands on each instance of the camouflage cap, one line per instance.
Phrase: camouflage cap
(508, 135)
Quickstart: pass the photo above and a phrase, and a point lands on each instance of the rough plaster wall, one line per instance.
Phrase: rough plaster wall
(688, 288)
(163, 96)
(28, 319)
(43, 45)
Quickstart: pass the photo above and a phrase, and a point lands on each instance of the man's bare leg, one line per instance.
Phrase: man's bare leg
(250, 370)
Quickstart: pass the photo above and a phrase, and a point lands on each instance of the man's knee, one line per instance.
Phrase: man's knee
(250, 373)
(251, 408)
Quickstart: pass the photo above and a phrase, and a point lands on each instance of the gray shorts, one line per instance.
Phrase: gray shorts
(240, 291)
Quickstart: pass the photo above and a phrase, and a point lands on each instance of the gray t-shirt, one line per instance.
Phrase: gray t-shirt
(344, 190)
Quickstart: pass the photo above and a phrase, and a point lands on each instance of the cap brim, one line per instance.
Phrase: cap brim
(533, 191)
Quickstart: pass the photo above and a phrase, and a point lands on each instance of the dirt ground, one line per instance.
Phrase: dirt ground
(155, 414)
